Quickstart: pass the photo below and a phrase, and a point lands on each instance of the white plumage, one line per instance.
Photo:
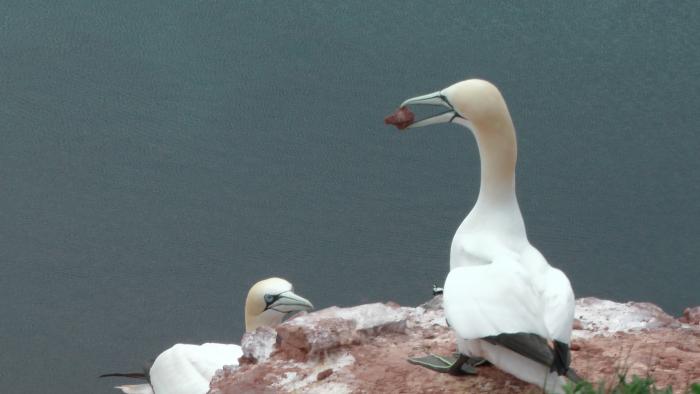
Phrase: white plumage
(498, 283)
(188, 369)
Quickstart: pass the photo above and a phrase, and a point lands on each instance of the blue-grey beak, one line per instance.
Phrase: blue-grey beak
(290, 302)
(434, 99)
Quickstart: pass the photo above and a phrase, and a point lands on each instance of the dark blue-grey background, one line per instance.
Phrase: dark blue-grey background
(157, 158)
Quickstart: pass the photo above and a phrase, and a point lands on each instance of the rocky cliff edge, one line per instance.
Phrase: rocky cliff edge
(363, 349)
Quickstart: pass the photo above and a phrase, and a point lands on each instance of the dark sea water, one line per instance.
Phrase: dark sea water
(157, 158)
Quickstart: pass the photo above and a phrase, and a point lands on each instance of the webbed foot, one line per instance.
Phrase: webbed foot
(454, 364)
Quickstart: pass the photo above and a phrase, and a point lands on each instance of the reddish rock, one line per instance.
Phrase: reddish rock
(324, 374)
(258, 345)
(364, 349)
(691, 316)
(652, 352)
(603, 316)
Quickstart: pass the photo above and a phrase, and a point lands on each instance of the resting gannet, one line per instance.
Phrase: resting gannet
(188, 369)
(503, 300)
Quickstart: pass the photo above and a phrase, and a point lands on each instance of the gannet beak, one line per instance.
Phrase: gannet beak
(290, 302)
(434, 99)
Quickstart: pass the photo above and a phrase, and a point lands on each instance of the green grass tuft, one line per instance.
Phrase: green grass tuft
(635, 386)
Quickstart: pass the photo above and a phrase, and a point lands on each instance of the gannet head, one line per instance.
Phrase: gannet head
(270, 301)
(474, 103)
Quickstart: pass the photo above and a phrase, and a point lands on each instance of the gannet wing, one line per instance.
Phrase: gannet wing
(489, 300)
(555, 355)
(559, 305)
(500, 304)
(531, 346)
(556, 294)
(187, 368)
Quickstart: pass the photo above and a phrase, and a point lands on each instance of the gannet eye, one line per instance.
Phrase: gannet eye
(269, 299)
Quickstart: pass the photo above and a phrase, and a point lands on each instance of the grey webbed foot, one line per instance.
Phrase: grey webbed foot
(476, 361)
(454, 364)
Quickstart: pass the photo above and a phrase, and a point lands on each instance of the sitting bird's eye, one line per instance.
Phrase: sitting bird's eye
(269, 298)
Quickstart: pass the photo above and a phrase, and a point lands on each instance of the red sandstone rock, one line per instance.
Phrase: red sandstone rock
(603, 316)
(691, 316)
(324, 374)
(258, 345)
(364, 350)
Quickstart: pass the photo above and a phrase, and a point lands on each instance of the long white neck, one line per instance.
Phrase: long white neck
(497, 205)
(498, 152)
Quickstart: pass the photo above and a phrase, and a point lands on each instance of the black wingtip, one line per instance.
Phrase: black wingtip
(562, 357)
(144, 375)
(133, 375)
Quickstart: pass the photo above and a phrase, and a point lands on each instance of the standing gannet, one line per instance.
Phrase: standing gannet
(188, 369)
(503, 300)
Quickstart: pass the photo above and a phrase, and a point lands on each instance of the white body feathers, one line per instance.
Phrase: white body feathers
(498, 283)
(188, 369)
